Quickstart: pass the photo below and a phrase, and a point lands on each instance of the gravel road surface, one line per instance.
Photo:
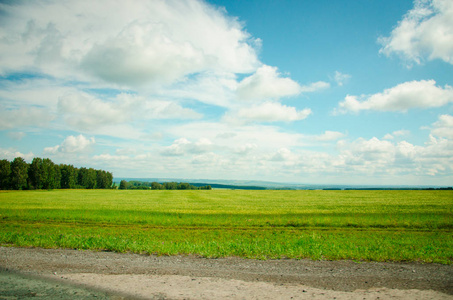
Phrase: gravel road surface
(76, 274)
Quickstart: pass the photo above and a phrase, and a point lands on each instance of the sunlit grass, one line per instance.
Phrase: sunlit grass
(367, 225)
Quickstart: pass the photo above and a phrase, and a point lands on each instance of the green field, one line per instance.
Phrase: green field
(359, 225)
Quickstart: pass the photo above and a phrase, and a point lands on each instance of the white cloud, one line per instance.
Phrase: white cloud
(10, 154)
(72, 144)
(401, 132)
(245, 149)
(412, 94)
(284, 155)
(34, 91)
(314, 87)
(24, 116)
(443, 127)
(397, 133)
(267, 83)
(228, 137)
(264, 153)
(387, 159)
(183, 146)
(86, 112)
(267, 112)
(124, 43)
(330, 136)
(213, 88)
(208, 160)
(341, 78)
(179, 147)
(426, 31)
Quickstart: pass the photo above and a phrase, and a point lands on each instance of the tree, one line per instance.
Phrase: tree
(156, 186)
(82, 178)
(170, 186)
(68, 176)
(51, 174)
(36, 174)
(87, 178)
(91, 179)
(19, 173)
(109, 182)
(104, 179)
(183, 186)
(123, 185)
(5, 174)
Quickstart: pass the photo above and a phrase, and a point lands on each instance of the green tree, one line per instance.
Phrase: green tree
(109, 182)
(156, 186)
(123, 185)
(87, 178)
(82, 178)
(51, 174)
(104, 179)
(183, 186)
(69, 175)
(91, 179)
(170, 186)
(36, 174)
(19, 173)
(5, 174)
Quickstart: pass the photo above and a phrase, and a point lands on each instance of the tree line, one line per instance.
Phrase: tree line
(140, 185)
(42, 173)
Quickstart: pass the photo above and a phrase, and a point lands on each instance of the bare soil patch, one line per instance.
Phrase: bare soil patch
(68, 274)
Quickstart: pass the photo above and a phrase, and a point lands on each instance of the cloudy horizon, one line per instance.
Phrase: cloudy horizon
(321, 93)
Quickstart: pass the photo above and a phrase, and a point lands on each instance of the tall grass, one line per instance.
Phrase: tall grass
(362, 225)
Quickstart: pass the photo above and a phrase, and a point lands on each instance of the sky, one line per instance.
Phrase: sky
(311, 92)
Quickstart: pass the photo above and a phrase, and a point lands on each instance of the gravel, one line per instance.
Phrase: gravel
(126, 275)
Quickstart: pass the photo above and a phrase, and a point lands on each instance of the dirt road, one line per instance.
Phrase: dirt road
(75, 274)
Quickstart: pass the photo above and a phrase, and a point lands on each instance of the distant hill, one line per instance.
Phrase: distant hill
(268, 185)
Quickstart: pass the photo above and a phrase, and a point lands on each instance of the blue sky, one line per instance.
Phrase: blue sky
(326, 92)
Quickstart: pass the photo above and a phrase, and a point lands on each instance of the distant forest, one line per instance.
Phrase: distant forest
(142, 185)
(42, 173)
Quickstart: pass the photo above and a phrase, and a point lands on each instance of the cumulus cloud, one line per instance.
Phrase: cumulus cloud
(269, 153)
(143, 43)
(267, 112)
(245, 149)
(443, 127)
(405, 96)
(86, 112)
(10, 154)
(397, 133)
(267, 83)
(285, 155)
(385, 158)
(425, 32)
(230, 136)
(183, 146)
(72, 144)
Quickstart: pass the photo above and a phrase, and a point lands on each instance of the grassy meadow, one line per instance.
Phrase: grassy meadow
(358, 225)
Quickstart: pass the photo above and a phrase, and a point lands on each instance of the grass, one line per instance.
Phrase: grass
(360, 225)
